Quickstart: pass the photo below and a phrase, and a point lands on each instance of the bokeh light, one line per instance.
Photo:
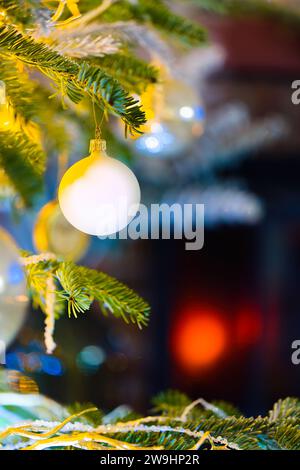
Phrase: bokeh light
(198, 339)
(90, 358)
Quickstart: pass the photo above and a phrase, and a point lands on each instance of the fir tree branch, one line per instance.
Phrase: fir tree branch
(83, 285)
(107, 90)
(78, 287)
(72, 78)
(133, 73)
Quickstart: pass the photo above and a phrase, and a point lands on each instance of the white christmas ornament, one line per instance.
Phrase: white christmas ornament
(13, 293)
(99, 195)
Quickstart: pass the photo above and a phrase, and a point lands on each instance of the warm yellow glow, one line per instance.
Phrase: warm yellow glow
(6, 117)
(53, 233)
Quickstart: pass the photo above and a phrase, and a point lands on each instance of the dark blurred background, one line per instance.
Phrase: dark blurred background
(223, 318)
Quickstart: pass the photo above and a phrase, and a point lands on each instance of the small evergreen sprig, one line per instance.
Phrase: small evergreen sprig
(74, 288)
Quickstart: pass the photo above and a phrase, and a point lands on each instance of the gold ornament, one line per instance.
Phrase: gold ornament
(52, 232)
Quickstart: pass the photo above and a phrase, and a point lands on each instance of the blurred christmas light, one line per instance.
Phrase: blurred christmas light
(51, 365)
(34, 362)
(198, 339)
(175, 117)
(90, 358)
(230, 136)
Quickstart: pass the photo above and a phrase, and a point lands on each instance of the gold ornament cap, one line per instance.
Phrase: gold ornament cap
(97, 145)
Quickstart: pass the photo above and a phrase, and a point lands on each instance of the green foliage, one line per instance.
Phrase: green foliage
(105, 89)
(170, 403)
(34, 53)
(288, 408)
(83, 285)
(72, 79)
(261, 433)
(133, 73)
(176, 423)
(78, 287)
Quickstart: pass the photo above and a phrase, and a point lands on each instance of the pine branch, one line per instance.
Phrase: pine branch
(133, 73)
(72, 78)
(108, 91)
(170, 403)
(80, 286)
(288, 408)
(287, 435)
(83, 285)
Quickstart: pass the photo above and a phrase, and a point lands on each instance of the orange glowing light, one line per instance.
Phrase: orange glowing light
(199, 339)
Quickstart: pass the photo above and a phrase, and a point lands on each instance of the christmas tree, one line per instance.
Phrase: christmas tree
(74, 71)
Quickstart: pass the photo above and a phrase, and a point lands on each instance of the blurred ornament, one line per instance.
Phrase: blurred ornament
(99, 195)
(13, 294)
(175, 118)
(25, 403)
(52, 232)
(230, 136)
